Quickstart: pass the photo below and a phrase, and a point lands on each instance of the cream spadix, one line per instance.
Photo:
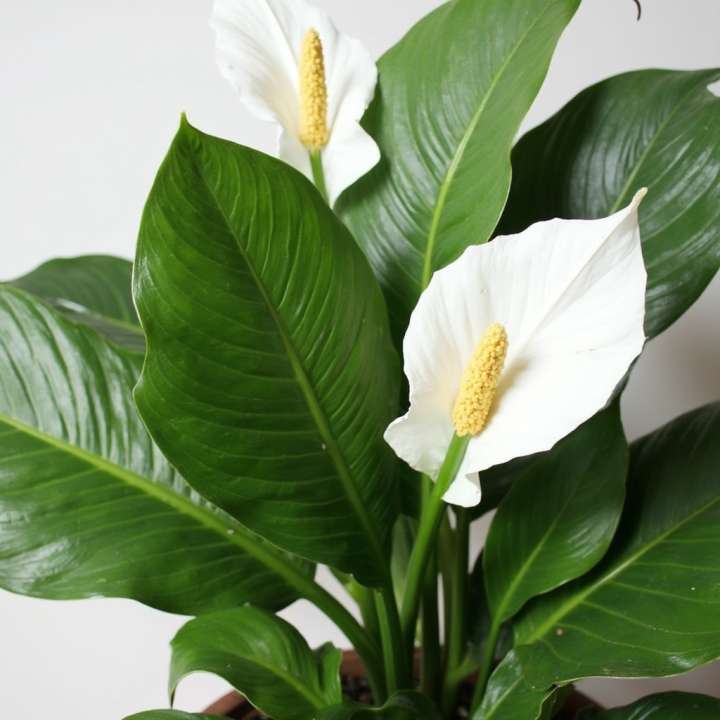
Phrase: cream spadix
(292, 67)
(570, 297)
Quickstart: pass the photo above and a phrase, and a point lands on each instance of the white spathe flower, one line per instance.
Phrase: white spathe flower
(263, 47)
(571, 297)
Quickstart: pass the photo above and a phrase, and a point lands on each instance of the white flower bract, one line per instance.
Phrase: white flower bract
(259, 43)
(571, 296)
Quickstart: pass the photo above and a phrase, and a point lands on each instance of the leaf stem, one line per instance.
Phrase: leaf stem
(396, 673)
(318, 173)
(486, 663)
(458, 604)
(430, 519)
(366, 647)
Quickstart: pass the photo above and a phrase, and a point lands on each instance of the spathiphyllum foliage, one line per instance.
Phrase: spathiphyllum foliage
(199, 429)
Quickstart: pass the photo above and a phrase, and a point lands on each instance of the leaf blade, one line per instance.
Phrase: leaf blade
(648, 609)
(263, 657)
(269, 372)
(559, 517)
(88, 504)
(93, 290)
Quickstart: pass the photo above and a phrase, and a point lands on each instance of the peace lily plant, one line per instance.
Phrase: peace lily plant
(203, 444)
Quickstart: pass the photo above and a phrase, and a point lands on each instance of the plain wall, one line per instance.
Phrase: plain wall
(91, 96)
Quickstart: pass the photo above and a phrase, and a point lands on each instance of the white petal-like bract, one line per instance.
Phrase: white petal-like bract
(571, 296)
(258, 45)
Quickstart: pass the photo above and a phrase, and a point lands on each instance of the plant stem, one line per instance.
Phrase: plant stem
(458, 614)
(396, 673)
(318, 173)
(356, 634)
(431, 660)
(486, 663)
(430, 519)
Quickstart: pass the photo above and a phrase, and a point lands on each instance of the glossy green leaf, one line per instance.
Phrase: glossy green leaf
(652, 606)
(653, 128)
(93, 290)
(665, 706)
(405, 705)
(509, 696)
(261, 656)
(559, 517)
(170, 715)
(88, 505)
(270, 375)
(451, 96)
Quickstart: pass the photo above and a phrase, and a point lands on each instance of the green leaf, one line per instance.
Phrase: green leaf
(88, 505)
(558, 519)
(509, 696)
(93, 290)
(263, 657)
(405, 705)
(451, 96)
(270, 375)
(170, 715)
(653, 128)
(665, 706)
(652, 606)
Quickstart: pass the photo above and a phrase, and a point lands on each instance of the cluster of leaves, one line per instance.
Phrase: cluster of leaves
(266, 369)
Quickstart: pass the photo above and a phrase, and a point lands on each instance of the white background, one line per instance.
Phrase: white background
(91, 93)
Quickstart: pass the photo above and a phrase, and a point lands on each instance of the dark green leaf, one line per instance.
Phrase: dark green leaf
(558, 519)
(653, 128)
(88, 505)
(263, 657)
(451, 96)
(406, 705)
(665, 706)
(509, 696)
(170, 715)
(93, 290)
(652, 606)
(270, 375)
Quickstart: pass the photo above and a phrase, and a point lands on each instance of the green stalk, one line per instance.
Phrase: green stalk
(431, 655)
(458, 614)
(430, 520)
(486, 665)
(318, 173)
(396, 674)
(430, 659)
(361, 641)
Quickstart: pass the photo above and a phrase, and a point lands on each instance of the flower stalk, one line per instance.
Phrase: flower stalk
(427, 534)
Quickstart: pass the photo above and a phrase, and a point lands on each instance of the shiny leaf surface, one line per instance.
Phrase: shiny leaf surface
(88, 505)
(665, 706)
(652, 128)
(559, 517)
(406, 705)
(451, 96)
(270, 374)
(261, 656)
(652, 606)
(509, 696)
(93, 290)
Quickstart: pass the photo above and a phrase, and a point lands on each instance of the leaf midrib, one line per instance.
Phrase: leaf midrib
(525, 567)
(303, 380)
(316, 700)
(168, 497)
(460, 152)
(573, 603)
